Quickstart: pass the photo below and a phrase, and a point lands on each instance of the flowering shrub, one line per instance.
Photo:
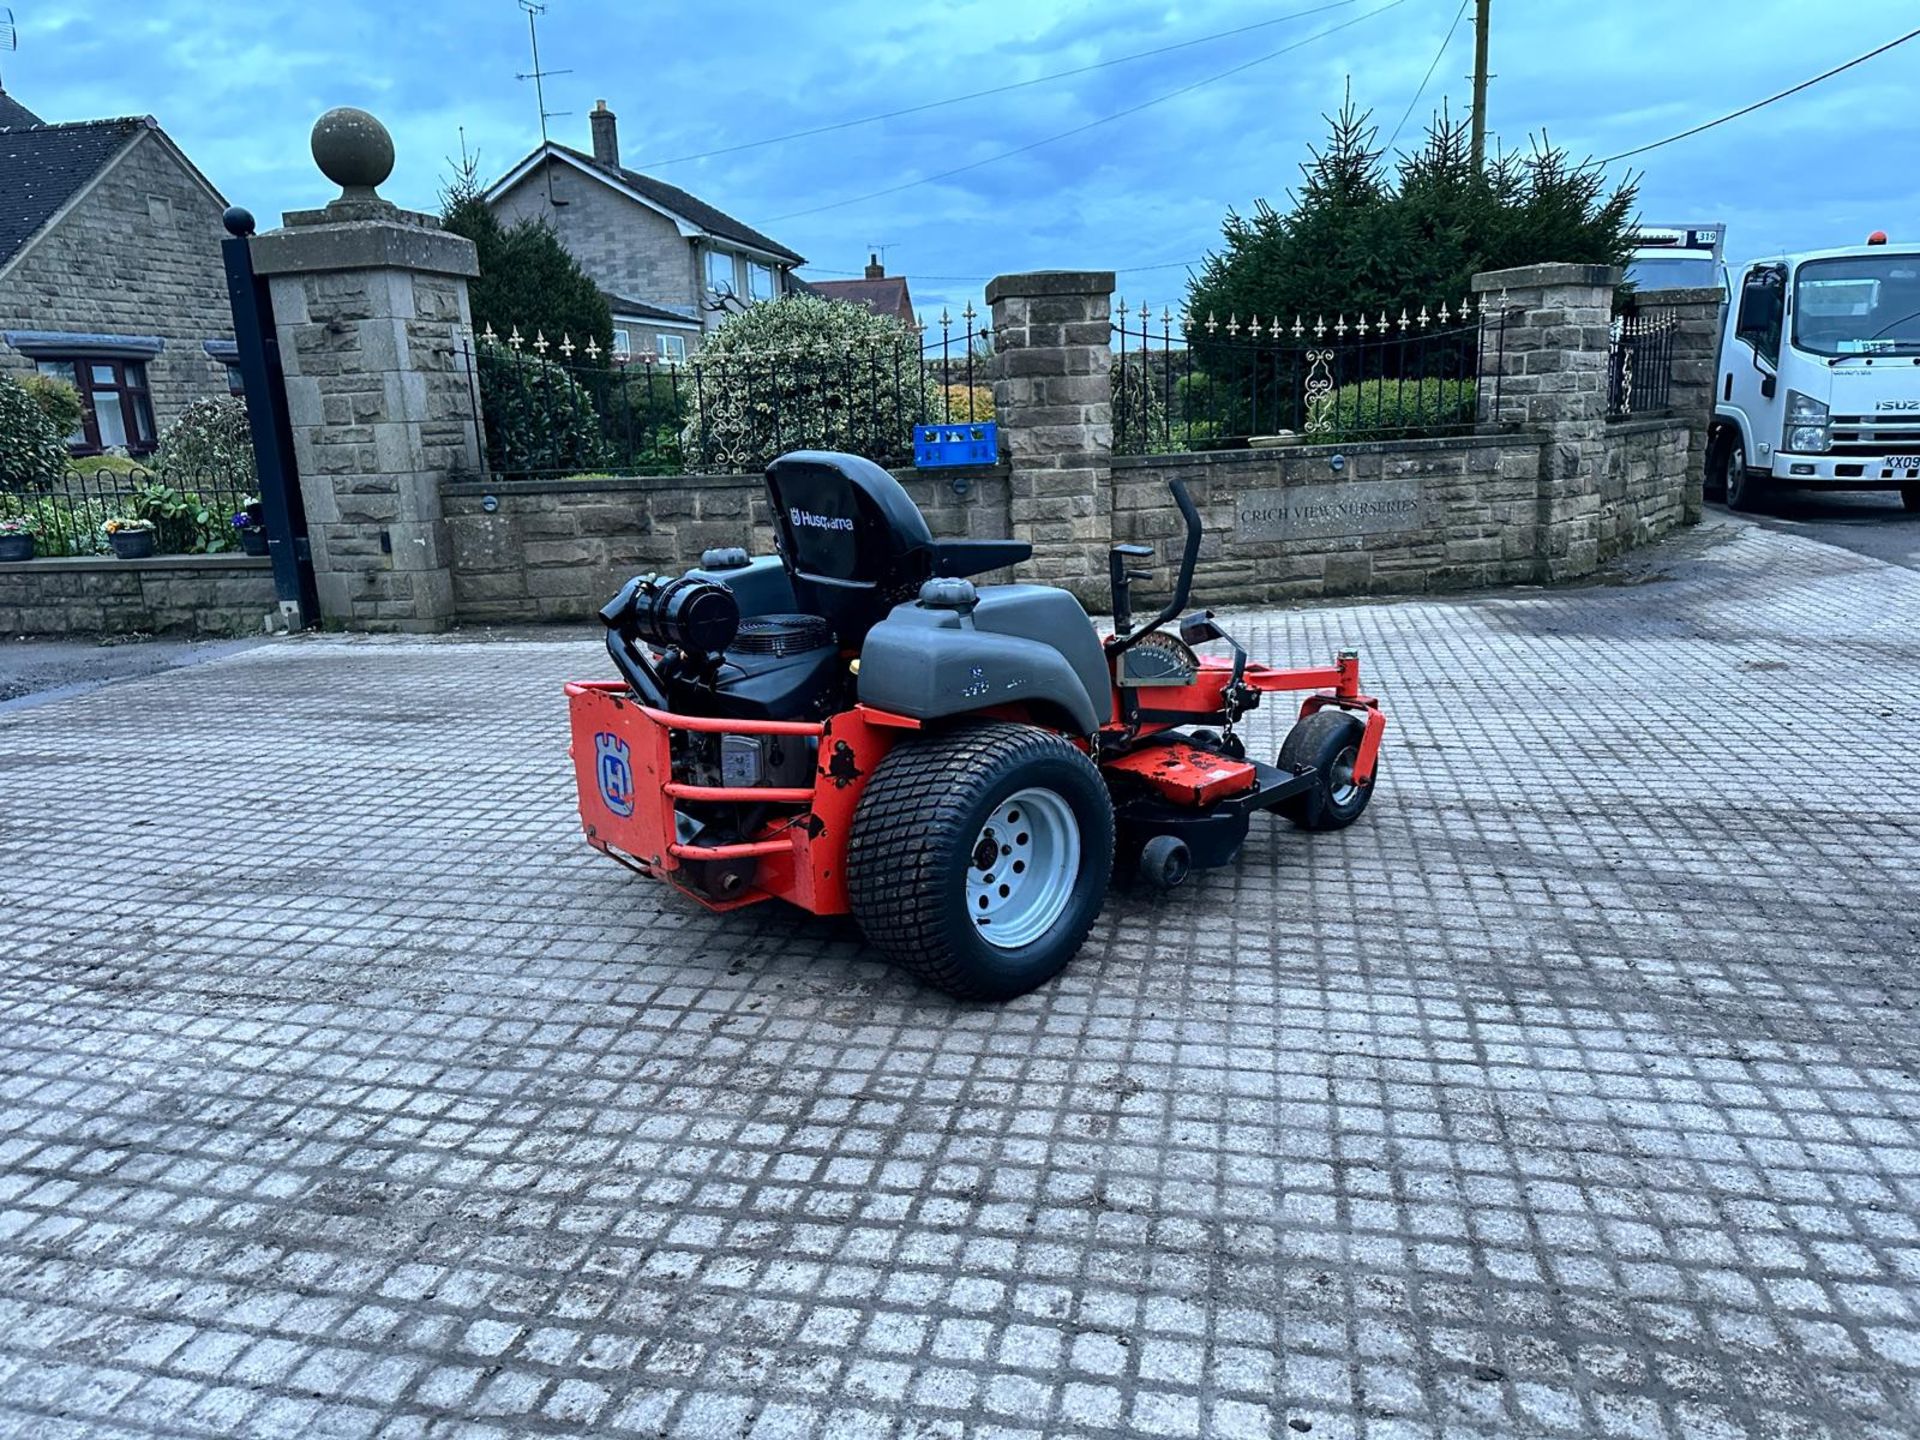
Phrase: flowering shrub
(209, 447)
(33, 446)
(126, 525)
(806, 373)
(27, 524)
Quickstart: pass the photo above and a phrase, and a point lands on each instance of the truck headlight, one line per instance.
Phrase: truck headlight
(1807, 429)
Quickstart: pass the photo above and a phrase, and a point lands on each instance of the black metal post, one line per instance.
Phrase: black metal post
(261, 373)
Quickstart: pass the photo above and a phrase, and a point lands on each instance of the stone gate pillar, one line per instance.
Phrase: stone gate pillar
(1543, 366)
(1052, 394)
(1697, 316)
(370, 309)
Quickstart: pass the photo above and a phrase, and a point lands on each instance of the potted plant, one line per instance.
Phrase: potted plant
(131, 538)
(251, 528)
(16, 537)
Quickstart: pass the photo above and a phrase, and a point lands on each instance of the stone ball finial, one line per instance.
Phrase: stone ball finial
(352, 149)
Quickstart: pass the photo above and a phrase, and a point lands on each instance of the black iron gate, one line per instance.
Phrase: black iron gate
(266, 394)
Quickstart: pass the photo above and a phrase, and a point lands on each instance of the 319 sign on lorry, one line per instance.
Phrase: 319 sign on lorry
(854, 726)
(1819, 382)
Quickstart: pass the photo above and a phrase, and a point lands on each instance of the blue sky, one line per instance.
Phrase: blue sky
(240, 92)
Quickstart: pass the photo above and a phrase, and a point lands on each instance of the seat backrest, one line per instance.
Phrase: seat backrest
(853, 541)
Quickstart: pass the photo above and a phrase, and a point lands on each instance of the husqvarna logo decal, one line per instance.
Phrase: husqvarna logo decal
(616, 774)
(818, 522)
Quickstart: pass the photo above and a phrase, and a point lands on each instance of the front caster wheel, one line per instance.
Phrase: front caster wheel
(1328, 743)
(1165, 862)
(979, 858)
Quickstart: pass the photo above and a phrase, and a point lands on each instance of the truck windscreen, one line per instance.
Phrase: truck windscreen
(1858, 305)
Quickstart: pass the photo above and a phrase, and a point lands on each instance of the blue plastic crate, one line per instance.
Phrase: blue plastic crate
(961, 442)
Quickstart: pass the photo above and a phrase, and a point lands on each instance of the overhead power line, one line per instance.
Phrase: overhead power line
(1761, 104)
(925, 106)
(1608, 160)
(1458, 15)
(1091, 124)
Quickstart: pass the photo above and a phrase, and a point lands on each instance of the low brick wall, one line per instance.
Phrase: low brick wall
(1649, 485)
(168, 594)
(558, 549)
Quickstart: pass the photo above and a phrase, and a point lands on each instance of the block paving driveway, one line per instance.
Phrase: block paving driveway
(343, 1091)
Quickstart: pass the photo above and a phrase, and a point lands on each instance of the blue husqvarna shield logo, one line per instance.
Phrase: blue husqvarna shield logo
(616, 775)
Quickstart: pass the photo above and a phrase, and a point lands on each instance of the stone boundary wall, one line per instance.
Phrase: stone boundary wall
(166, 595)
(558, 549)
(1385, 518)
(1395, 517)
(1649, 484)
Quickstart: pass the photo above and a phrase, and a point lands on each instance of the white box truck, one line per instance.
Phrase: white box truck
(1685, 256)
(1819, 377)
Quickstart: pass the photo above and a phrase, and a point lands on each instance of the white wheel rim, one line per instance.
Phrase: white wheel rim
(1021, 868)
(1340, 783)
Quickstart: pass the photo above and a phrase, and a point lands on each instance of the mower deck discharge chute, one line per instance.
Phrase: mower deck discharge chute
(852, 725)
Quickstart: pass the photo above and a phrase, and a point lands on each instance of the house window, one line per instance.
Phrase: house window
(720, 272)
(760, 281)
(118, 413)
(672, 349)
(622, 344)
(236, 383)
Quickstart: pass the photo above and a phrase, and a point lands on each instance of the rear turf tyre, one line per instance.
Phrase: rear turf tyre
(1328, 743)
(1910, 498)
(991, 825)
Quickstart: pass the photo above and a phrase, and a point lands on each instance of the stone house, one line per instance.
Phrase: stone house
(876, 291)
(110, 272)
(671, 265)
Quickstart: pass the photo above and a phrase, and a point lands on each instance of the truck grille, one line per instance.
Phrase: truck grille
(1875, 435)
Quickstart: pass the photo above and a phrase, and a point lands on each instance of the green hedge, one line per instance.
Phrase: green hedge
(1399, 410)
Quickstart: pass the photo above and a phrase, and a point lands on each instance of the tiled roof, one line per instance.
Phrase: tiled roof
(44, 166)
(13, 113)
(885, 296)
(687, 207)
(640, 310)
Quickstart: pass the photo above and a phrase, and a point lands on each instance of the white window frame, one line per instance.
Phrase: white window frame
(670, 349)
(622, 343)
(757, 273)
(715, 260)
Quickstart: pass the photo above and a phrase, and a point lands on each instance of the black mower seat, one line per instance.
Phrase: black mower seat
(854, 544)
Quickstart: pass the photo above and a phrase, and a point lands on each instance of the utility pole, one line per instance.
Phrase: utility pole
(1480, 8)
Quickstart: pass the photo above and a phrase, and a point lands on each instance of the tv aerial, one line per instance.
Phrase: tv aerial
(9, 36)
(534, 8)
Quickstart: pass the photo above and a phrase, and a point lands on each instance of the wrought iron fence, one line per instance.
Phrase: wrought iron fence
(1639, 362)
(1220, 384)
(191, 513)
(558, 409)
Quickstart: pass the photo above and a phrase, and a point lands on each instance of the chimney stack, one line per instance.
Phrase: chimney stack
(875, 270)
(606, 139)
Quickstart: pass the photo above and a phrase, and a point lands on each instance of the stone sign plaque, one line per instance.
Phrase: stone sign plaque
(1312, 512)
